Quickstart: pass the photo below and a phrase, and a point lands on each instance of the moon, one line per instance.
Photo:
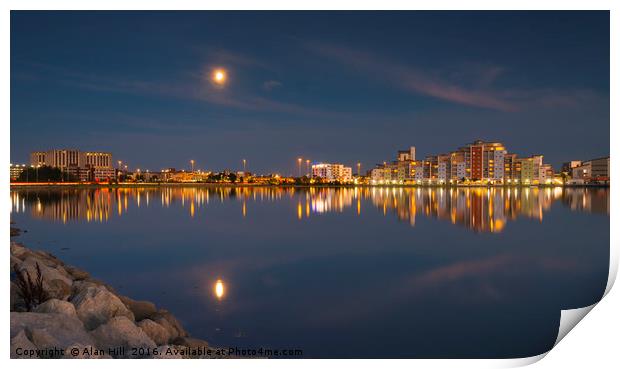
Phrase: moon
(219, 76)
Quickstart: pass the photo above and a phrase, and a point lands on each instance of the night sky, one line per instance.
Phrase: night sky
(328, 86)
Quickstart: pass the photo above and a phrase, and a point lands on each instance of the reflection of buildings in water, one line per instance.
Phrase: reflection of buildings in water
(479, 209)
(64, 205)
(330, 199)
(595, 200)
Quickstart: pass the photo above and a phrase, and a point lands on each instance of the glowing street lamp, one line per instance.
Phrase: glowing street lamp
(192, 163)
(308, 167)
(299, 166)
(244, 161)
(359, 166)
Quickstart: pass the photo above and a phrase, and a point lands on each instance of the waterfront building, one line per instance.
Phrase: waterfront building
(592, 171)
(569, 166)
(332, 172)
(97, 165)
(484, 160)
(85, 166)
(527, 170)
(512, 168)
(406, 155)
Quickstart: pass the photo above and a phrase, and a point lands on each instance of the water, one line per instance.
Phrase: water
(368, 272)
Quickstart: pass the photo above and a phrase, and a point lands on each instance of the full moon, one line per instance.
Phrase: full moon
(219, 76)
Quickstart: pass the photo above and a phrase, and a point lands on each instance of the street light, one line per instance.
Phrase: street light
(244, 166)
(359, 166)
(192, 162)
(308, 167)
(299, 166)
(120, 168)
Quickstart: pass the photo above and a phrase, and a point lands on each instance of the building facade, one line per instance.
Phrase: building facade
(332, 172)
(594, 170)
(85, 166)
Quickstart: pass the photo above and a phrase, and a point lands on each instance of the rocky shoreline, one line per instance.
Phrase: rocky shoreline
(83, 317)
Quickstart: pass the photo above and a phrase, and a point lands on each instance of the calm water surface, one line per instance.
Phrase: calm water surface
(379, 272)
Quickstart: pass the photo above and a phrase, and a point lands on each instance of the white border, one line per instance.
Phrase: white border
(594, 345)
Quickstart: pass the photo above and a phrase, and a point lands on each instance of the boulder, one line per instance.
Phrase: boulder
(47, 258)
(50, 329)
(77, 274)
(57, 306)
(121, 332)
(95, 305)
(140, 309)
(15, 261)
(22, 347)
(168, 321)
(18, 250)
(155, 331)
(55, 280)
(43, 339)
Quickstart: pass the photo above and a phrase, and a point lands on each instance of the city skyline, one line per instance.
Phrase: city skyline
(294, 88)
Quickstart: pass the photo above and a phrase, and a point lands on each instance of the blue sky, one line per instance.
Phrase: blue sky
(328, 86)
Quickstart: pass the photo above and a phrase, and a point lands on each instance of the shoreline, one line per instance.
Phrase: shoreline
(252, 185)
(82, 317)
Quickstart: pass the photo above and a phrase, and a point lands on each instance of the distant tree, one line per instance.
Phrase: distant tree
(45, 174)
(232, 177)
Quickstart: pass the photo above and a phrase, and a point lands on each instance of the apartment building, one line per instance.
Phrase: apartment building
(332, 172)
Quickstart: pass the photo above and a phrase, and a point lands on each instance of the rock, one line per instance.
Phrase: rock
(44, 340)
(57, 289)
(57, 306)
(15, 232)
(47, 258)
(155, 331)
(168, 352)
(168, 321)
(140, 309)
(77, 274)
(54, 329)
(85, 352)
(15, 261)
(55, 281)
(96, 282)
(22, 347)
(18, 250)
(190, 342)
(95, 305)
(121, 332)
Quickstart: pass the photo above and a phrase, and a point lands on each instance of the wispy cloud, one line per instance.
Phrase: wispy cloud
(189, 86)
(477, 92)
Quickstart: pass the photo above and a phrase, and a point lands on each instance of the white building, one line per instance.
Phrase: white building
(442, 171)
(461, 170)
(332, 172)
(498, 164)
